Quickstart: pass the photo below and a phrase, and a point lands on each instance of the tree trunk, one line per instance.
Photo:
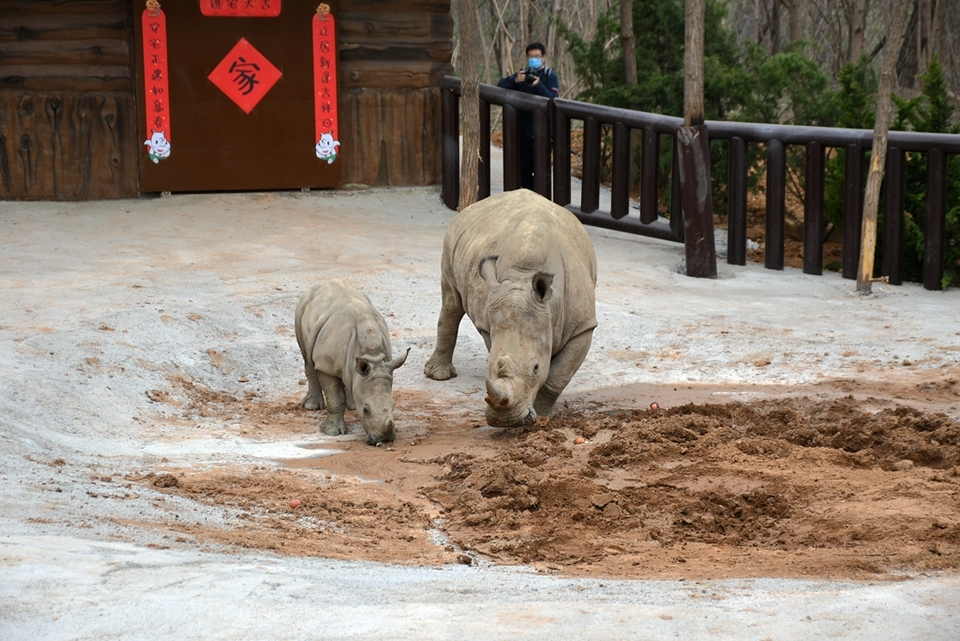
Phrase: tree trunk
(488, 78)
(503, 42)
(695, 11)
(693, 145)
(469, 101)
(627, 43)
(858, 30)
(591, 20)
(524, 23)
(768, 25)
(553, 49)
(895, 17)
(924, 34)
(758, 12)
(907, 65)
(793, 20)
(946, 45)
(774, 26)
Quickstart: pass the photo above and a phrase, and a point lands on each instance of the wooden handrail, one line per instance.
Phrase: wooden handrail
(776, 137)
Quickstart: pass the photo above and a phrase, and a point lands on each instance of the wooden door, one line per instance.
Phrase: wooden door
(226, 137)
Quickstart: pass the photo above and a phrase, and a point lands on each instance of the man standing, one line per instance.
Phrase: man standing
(537, 79)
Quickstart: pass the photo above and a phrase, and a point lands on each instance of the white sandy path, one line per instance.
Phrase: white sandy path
(102, 302)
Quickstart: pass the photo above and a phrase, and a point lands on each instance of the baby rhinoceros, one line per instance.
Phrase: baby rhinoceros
(346, 357)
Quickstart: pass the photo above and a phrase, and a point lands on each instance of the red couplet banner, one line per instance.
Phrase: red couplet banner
(325, 84)
(155, 89)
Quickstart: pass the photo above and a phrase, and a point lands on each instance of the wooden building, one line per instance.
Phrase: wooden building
(74, 114)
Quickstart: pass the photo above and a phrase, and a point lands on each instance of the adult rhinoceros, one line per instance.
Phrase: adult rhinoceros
(523, 269)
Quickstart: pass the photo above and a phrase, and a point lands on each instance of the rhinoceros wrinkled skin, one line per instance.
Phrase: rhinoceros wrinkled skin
(346, 357)
(525, 272)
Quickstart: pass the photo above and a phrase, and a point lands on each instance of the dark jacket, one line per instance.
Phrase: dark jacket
(548, 87)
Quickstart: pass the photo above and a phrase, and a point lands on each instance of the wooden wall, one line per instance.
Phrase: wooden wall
(68, 121)
(392, 56)
(67, 108)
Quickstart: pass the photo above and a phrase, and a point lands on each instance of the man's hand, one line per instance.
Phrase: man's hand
(521, 77)
(536, 81)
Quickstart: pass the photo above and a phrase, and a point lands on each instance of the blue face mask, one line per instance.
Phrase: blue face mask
(534, 63)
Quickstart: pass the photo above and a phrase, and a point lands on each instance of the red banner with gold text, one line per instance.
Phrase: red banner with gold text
(325, 84)
(155, 89)
(240, 8)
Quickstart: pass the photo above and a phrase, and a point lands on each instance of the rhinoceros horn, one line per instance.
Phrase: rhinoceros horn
(495, 397)
(398, 361)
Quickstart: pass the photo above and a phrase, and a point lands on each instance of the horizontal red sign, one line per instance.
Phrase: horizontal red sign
(240, 8)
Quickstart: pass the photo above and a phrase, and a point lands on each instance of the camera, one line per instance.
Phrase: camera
(530, 75)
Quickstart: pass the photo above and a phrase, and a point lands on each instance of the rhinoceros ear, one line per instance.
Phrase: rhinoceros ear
(488, 269)
(363, 366)
(542, 283)
(398, 361)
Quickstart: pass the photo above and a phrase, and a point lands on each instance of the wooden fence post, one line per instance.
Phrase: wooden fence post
(737, 203)
(773, 252)
(701, 250)
(934, 239)
(813, 219)
(451, 148)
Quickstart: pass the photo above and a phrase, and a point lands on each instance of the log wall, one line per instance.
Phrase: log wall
(68, 121)
(67, 108)
(392, 57)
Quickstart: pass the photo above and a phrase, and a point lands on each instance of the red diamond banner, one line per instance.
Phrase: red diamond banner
(245, 76)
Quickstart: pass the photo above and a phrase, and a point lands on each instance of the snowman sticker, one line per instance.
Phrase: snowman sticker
(158, 147)
(327, 147)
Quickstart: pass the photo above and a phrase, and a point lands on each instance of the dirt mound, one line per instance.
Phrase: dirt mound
(787, 487)
(775, 482)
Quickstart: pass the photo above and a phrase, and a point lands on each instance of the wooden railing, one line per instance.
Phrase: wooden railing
(856, 142)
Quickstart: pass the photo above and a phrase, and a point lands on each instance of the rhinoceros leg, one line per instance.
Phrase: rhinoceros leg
(314, 398)
(563, 366)
(440, 365)
(333, 424)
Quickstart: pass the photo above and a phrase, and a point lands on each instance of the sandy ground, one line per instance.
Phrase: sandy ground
(151, 440)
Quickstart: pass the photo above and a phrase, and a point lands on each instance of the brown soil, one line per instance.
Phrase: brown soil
(833, 481)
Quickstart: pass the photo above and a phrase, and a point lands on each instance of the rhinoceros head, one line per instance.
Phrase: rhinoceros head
(373, 394)
(521, 339)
